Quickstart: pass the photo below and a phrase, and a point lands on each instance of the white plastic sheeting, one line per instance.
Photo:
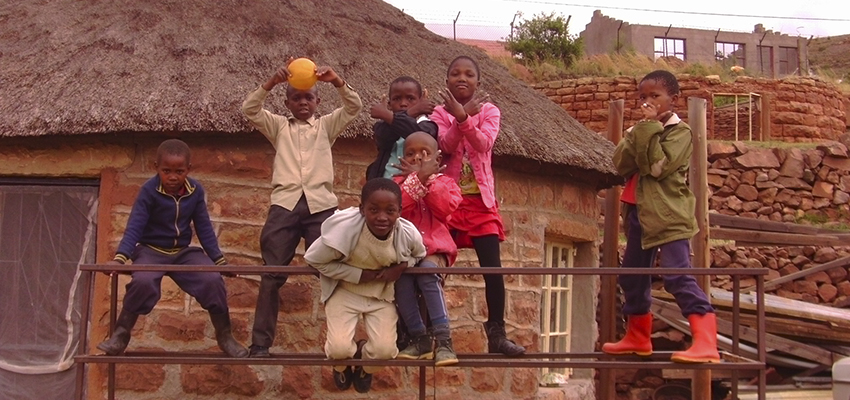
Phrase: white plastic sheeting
(45, 233)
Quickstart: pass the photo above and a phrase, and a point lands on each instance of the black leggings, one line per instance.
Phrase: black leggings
(489, 256)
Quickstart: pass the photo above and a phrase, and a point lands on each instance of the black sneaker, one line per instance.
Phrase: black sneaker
(258, 351)
(362, 380)
(343, 379)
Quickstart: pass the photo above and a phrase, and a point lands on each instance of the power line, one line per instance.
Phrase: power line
(681, 12)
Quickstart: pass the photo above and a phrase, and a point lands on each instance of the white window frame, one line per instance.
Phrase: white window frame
(722, 51)
(558, 255)
(669, 47)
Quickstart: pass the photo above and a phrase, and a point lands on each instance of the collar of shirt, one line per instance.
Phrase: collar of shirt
(673, 120)
(311, 120)
(187, 188)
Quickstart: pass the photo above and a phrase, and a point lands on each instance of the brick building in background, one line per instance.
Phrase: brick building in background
(769, 53)
(90, 90)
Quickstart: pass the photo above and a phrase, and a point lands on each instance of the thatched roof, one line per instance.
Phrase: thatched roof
(70, 67)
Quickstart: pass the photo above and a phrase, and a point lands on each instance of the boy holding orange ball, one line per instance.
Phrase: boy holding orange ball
(302, 179)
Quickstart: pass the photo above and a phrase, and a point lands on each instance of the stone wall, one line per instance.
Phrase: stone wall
(802, 109)
(236, 173)
(784, 185)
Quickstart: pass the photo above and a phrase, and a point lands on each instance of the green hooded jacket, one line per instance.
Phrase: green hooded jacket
(661, 156)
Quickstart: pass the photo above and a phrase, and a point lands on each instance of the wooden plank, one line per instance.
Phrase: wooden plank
(610, 254)
(701, 382)
(773, 283)
(776, 238)
(791, 395)
(794, 308)
(812, 353)
(807, 332)
(777, 306)
(730, 221)
(764, 100)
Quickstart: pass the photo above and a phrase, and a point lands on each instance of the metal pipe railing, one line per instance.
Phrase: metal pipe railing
(594, 360)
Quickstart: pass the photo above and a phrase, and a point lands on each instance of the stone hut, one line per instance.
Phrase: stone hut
(91, 88)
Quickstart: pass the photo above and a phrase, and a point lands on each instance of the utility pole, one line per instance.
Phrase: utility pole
(517, 14)
(454, 26)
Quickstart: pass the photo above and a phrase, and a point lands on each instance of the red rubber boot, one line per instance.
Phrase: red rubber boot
(704, 346)
(636, 341)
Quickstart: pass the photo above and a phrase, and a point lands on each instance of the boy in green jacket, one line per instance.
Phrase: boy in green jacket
(659, 215)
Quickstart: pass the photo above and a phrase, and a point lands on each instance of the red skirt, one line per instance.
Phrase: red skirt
(473, 219)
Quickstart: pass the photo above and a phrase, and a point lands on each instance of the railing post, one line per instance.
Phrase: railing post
(701, 383)
(610, 256)
(83, 345)
(113, 316)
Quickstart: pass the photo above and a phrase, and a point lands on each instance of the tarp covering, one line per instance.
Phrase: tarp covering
(46, 232)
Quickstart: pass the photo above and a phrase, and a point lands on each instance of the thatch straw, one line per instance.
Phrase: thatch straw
(72, 67)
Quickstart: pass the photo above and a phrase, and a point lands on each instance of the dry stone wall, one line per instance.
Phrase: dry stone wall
(802, 109)
(784, 185)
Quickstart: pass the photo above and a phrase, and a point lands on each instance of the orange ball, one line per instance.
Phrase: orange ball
(303, 72)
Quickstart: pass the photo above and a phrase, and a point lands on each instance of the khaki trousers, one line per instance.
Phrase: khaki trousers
(343, 309)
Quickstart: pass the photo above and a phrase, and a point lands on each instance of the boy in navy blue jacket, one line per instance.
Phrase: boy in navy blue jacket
(405, 111)
(159, 232)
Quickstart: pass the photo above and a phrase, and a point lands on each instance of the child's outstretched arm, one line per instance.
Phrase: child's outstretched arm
(267, 123)
(139, 216)
(624, 156)
(386, 134)
(328, 261)
(351, 104)
(205, 230)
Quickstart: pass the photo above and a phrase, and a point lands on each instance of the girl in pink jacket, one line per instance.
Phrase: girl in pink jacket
(468, 127)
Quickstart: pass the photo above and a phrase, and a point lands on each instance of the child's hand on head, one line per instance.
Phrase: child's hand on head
(380, 110)
(327, 74)
(280, 76)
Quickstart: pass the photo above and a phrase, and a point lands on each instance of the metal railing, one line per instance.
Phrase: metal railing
(594, 360)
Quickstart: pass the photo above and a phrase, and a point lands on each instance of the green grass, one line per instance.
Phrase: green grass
(610, 65)
(841, 80)
(823, 221)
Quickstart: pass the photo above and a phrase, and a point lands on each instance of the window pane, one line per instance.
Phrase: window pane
(659, 45)
(564, 307)
(553, 312)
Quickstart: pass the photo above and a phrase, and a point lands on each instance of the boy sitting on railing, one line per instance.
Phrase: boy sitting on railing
(360, 254)
(159, 232)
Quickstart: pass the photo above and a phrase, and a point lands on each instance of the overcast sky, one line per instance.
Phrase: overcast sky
(490, 19)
